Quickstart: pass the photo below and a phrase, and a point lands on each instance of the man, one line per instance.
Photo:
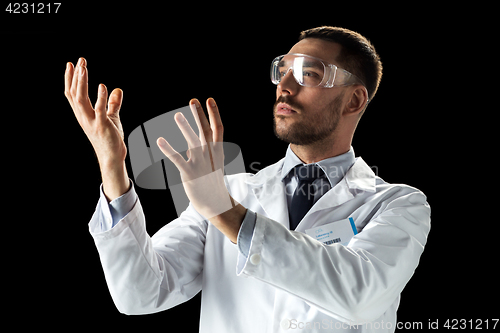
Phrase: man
(313, 242)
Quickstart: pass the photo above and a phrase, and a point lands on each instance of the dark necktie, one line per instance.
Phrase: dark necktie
(303, 197)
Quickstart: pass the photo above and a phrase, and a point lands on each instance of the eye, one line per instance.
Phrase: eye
(310, 74)
(283, 71)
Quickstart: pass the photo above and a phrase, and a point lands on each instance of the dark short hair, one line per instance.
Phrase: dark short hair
(357, 54)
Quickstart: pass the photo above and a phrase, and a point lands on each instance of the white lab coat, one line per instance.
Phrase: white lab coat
(290, 281)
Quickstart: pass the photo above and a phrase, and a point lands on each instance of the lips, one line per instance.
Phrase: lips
(284, 109)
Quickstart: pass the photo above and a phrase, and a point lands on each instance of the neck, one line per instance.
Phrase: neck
(319, 151)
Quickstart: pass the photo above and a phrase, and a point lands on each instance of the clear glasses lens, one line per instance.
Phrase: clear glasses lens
(307, 71)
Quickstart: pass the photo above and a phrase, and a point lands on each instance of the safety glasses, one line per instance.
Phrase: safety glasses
(311, 72)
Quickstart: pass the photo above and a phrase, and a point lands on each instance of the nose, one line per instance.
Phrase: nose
(288, 84)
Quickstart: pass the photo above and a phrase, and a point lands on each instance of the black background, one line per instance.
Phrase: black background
(416, 131)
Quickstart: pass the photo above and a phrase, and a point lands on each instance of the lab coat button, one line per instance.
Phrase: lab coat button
(255, 259)
(285, 324)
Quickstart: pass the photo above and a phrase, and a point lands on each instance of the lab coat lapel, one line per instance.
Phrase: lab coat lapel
(358, 179)
(269, 191)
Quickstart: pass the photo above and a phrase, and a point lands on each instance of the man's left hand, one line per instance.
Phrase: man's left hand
(203, 173)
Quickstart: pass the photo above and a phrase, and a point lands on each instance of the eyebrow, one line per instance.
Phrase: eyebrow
(307, 63)
(312, 64)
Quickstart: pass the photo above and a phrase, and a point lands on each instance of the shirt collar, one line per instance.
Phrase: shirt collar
(334, 167)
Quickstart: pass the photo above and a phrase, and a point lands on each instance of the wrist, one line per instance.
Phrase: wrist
(115, 180)
(229, 222)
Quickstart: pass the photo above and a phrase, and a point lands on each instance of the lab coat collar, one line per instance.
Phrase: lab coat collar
(266, 174)
(361, 177)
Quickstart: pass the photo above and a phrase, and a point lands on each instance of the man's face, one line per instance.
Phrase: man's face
(306, 115)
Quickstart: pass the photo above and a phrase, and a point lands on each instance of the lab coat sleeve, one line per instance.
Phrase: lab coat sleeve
(149, 274)
(355, 283)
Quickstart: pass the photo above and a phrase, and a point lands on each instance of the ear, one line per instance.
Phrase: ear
(358, 101)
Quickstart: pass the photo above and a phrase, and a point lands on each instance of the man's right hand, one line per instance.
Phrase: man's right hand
(102, 127)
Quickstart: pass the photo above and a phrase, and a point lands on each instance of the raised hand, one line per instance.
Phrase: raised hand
(101, 125)
(203, 173)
